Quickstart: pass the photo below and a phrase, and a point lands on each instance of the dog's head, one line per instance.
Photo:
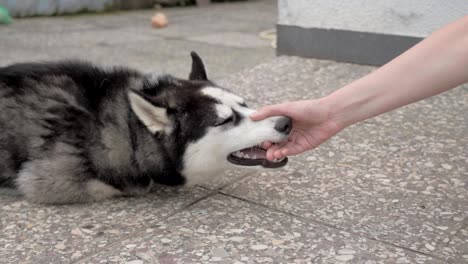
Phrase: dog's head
(204, 127)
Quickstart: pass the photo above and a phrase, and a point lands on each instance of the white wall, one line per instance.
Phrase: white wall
(415, 18)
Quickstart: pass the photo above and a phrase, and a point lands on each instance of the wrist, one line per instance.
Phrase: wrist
(344, 106)
(331, 115)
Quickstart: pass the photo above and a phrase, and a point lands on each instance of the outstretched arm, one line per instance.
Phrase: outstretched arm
(436, 64)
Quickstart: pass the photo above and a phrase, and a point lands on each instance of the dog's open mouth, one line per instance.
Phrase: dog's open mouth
(254, 156)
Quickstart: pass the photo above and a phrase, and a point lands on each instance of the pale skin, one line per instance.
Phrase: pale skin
(435, 65)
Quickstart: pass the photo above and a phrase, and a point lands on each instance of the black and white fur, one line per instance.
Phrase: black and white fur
(74, 132)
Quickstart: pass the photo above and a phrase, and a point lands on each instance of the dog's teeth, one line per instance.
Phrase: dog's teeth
(255, 157)
(247, 156)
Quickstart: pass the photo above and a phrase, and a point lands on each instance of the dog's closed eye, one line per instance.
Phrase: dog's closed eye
(224, 121)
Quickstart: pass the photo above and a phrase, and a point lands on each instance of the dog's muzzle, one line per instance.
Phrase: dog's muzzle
(256, 155)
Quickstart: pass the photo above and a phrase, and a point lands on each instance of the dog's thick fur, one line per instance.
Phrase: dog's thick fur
(74, 132)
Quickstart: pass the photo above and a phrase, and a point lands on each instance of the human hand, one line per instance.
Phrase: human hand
(312, 126)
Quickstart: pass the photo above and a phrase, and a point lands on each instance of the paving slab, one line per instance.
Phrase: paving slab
(400, 178)
(221, 229)
(33, 233)
(157, 55)
(127, 38)
(455, 246)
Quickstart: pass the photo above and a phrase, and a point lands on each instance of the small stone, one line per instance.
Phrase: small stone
(216, 259)
(77, 254)
(114, 259)
(458, 219)
(76, 232)
(339, 214)
(136, 261)
(382, 200)
(130, 246)
(446, 213)
(235, 231)
(446, 166)
(144, 256)
(429, 246)
(212, 238)
(219, 252)
(311, 158)
(346, 251)
(88, 231)
(429, 164)
(276, 242)
(113, 231)
(16, 204)
(344, 257)
(331, 154)
(442, 227)
(259, 247)
(166, 240)
(60, 246)
(465, 256)
(270, 252)
(237, 239)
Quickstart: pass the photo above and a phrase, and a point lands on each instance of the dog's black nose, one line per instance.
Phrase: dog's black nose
(284, 125)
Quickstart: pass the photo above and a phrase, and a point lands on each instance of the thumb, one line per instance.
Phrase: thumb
(267, 111)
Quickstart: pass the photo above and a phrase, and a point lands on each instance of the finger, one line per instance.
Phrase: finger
(276, 151)
(288, 152)
(292, 150)
(270, 152)
(278, 155)
(266, 144)
(267, 111)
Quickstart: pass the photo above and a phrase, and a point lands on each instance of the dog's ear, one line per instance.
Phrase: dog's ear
(153, 117)
(198, 68)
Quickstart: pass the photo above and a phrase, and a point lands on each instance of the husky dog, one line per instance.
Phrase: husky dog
(73, 132)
